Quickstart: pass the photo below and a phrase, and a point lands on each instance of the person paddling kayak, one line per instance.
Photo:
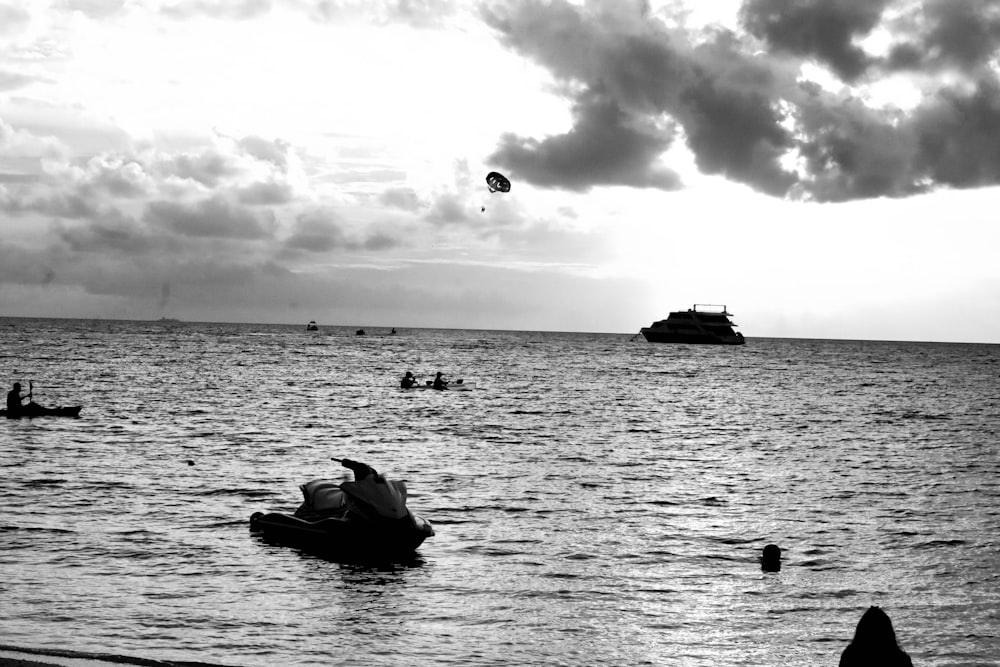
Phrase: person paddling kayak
(16, 407)
(15, 402)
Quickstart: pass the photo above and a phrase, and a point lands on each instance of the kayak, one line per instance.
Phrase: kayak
(457, 385)
(35, 410)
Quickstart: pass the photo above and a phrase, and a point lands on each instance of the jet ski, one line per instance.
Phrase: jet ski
(367, 517)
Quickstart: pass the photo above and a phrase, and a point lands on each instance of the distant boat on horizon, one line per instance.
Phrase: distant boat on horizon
(703, 327)
(312, 326)
(168, 320)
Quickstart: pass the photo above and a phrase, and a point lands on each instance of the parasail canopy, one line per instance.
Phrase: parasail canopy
(497, 182)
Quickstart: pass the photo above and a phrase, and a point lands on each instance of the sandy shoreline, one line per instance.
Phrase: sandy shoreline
(12, 656)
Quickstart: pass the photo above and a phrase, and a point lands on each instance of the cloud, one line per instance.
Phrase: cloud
(13, 19)
(217, 9)
(605, 147)
(270, 193)
(95, 9)
(449, 208)
(213, 217)
(415, 13)
(13, 80)
(77, 190)
(116, 175)
(402, 198)
(946, 34)
(274, 151)
(637, 85)
(113, 233)
(58, 205)
(17, 142)
(208, 167)
(959, 136)
(316, 232)
(823, 29)
(633, 82)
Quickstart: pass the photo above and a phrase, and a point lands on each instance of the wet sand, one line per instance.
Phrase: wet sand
(11, 656)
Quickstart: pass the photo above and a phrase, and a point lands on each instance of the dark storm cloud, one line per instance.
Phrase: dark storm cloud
(637, 84)
(959, 136)
(946, 33)
(822, 29)
(733, 124)
(851, 151)
(632, 80)
(214, 217)
(605, 147)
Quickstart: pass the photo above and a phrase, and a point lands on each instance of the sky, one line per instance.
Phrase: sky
(824, 168)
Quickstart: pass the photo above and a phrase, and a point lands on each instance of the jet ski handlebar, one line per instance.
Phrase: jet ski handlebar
(360, 470)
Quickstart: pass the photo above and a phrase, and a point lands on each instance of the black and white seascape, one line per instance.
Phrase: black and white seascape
(596, 499)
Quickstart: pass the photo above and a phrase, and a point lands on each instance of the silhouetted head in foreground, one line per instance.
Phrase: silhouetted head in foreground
(770, 561)
(874, 643)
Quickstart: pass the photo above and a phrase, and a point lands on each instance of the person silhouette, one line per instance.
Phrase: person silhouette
(440, 382)
(874, 643)
(770, 560)
(15, 402)
(407, 381)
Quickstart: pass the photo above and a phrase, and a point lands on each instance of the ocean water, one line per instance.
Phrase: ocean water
(597, 499)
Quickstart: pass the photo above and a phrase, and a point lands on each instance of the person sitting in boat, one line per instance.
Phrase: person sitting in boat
(439, 382)
(408, 380)
(15, 402)
(16, 406)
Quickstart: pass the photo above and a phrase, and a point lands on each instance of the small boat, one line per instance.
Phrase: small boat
(359, 332)
(457, 385)
(367, 517)
(312, 326)
(34, 410)
(704, 327)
